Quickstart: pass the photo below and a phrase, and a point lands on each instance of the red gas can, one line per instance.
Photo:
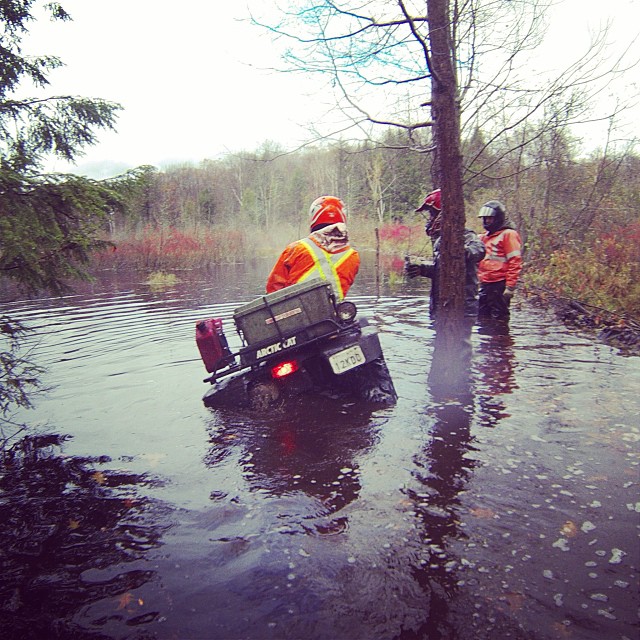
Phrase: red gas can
(212, 344)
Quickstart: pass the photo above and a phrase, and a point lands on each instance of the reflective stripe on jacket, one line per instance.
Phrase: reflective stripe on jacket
(304, 259)
(503, 258)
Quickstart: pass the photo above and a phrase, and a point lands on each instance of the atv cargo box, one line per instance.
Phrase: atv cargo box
(306, 307)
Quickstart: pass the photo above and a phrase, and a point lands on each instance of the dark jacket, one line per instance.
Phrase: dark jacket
(473, 253)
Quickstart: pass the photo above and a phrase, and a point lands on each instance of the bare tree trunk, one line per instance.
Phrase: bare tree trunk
(450, 365)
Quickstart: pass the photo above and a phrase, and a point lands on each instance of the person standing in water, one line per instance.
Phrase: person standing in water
(500, 269)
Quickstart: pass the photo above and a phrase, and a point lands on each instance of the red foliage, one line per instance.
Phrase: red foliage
(603, 272)
(396, 232)
(172, 248)
(622, 245)
(397, 264)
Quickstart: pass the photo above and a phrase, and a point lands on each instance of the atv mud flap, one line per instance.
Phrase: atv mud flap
(369, 380)
(229, 392)
(348, 352)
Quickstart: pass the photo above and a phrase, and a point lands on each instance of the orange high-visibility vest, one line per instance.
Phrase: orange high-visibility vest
(305, 259)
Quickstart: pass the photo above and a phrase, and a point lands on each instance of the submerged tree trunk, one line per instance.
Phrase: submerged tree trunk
(452, 348)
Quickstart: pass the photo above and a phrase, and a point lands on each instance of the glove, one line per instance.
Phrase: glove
(508, 294)
(418, 266)
(412, 270)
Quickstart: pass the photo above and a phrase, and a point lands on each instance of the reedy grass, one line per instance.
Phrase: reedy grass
(170, 249)
(605, 272)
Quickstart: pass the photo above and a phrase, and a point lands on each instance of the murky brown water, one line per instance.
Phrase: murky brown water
(138, 513)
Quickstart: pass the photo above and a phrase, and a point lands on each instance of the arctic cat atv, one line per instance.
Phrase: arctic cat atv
(294, 341)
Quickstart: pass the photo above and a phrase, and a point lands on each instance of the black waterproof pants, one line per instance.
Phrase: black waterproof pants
(491, 301)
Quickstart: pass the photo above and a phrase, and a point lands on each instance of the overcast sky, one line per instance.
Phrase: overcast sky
(191, 76)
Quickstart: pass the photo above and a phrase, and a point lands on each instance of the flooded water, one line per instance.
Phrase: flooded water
(129, 510)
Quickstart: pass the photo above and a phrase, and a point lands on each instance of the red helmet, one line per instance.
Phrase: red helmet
(432, 201)
(326, 210)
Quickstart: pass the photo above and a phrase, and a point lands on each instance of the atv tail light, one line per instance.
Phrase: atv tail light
(346, 311)
(284, 369)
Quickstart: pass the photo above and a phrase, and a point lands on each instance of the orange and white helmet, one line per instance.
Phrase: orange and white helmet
(326, 210)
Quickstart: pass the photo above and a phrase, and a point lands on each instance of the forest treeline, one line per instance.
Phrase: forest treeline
(578, 215)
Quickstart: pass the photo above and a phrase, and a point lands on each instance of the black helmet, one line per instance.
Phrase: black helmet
(497, 210)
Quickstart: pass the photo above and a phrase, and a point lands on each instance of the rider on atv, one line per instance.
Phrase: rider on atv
(324, 253)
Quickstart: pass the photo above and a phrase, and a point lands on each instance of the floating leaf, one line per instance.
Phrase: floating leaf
(616, 556)
(561, 543)
(125, 600)
(606, 614)
(479, 512)
(569, 529)
(515, 600)
(99, 477)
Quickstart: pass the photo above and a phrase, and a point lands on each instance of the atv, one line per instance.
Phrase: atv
(295, 341)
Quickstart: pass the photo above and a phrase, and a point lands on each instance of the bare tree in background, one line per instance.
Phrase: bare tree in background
(372, 58)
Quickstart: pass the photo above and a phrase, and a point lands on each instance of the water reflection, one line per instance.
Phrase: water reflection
(309, 450)
(495, 374)
(441, 468)
(70, 530)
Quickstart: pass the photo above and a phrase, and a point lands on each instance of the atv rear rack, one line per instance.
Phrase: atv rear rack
(290, 342)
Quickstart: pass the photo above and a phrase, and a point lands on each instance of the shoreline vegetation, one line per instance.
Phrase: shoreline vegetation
(595, 286)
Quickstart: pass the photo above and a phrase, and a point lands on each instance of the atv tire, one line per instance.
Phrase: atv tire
(264, 396)
(374, 383)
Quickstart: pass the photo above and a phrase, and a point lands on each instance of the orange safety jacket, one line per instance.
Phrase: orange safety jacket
(305, 259)
(503, 257)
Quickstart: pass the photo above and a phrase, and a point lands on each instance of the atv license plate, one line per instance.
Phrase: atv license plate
(346, 360)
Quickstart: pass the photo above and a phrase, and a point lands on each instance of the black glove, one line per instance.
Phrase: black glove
(412, 270)
(418, 266)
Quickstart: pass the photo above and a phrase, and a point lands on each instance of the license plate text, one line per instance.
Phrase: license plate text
(346, 360)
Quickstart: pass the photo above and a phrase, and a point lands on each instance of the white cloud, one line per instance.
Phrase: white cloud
(183, 74)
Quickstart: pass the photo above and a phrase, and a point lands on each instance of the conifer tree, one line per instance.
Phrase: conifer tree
(48, 223)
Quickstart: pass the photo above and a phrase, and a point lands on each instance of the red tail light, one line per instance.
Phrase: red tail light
(284, 369)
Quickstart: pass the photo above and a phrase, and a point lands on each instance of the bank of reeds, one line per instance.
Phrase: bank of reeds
(171, 249)
(605, 272)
